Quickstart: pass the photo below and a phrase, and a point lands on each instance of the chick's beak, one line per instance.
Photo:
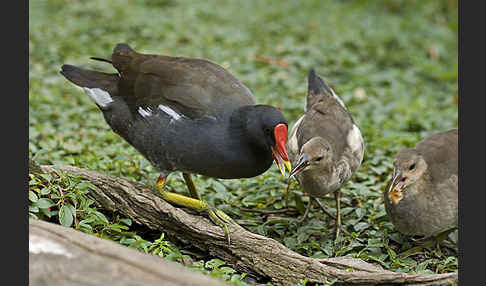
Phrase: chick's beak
(279, 151)
(396, 187)
(302, 163)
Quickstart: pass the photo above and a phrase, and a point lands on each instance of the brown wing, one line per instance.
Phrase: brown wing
(329, 120)
(440, 151)
(194, 87)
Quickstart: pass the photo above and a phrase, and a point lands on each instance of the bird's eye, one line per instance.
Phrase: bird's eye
(412, 167)
(267, 130)
(318, 159)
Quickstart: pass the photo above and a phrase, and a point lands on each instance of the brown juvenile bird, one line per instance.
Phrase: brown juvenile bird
(325, 145)
(187, 115)
(421, 198)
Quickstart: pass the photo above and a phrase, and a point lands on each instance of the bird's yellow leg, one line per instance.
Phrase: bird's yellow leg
(193, 203)
(184, 201)
(190, 185)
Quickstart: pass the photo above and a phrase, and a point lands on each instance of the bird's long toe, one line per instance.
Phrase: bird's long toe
(223, 220)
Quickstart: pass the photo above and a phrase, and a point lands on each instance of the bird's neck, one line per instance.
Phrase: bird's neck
(243, 126)
(241, 139)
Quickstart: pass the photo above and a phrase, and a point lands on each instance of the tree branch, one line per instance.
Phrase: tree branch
(248, 252)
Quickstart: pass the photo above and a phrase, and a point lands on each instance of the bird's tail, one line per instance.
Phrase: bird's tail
(317, 88)
(101, 87)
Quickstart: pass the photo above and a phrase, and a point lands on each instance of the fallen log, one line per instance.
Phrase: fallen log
(63, 256)
(248, 252)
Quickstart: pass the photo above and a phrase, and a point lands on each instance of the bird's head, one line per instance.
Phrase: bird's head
(409, 168)
(267, 127)
(315, 154)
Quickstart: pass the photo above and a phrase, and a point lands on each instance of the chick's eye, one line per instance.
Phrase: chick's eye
(412, 167)
(267, 130)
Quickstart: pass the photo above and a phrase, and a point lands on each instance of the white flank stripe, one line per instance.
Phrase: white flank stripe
(170, 112)
(337, 98)
(101, 97)
(292, 142)
(354, 138)
(144, 112)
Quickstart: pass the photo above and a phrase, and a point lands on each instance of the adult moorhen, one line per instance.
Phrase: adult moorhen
(422, 196)
(325, 145)
(187, 115)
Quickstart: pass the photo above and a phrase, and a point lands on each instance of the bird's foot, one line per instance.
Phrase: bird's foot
(427, 242)
(196, 203)
(217, 216)
(337, 232)
(222, 220)
(417, 249)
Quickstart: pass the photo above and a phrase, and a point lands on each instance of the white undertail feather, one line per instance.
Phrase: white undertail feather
(170, 112)
(99, 96)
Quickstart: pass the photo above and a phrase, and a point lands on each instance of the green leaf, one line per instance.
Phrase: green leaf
(214, 263)
(126, 221)
(46, 177)
(45, 191)
(32, 197)
(44, 203)
(66, 216)
(101, 217)
(299, 204)
(86, 185)
(361, 226)
(84, 226)
(33, 208)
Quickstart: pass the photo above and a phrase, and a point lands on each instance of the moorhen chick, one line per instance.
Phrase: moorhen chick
(325, 145)
(187, 115)
(422, 197)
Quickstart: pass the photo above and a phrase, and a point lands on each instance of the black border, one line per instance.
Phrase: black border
(471, 143)
(15, 128)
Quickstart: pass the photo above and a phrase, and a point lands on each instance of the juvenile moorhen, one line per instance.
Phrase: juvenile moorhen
(325, 145)
(187, 115)
(422, 196)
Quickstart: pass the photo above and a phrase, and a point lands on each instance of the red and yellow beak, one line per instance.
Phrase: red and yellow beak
(279, 151)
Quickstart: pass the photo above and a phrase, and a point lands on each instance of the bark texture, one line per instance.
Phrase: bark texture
(248, 252)
(63, 256)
